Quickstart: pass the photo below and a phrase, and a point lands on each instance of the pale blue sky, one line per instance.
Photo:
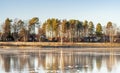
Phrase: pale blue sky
(92, 10)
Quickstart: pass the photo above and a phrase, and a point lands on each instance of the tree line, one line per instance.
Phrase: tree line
(55, 30)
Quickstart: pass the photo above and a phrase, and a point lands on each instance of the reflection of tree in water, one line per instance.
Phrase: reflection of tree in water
(90, 62)
(16, 63)
(78, 61)
(51, 61)
(98, 62)
(48, 60)
(70, 60)
(55, 62)
(1, 60)
(23, 61)
(6, 62)
(41, 60)
(31, 62)
(118, 58)
(110, 62)
(87, 62)
(66, 59)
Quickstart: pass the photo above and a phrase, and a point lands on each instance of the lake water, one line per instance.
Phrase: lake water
(37, 61)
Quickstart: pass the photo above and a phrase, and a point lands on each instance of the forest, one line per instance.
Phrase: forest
(55, 30)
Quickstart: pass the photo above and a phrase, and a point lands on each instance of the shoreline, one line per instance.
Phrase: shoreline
(40, 50)
(56, 47)
(59, 45)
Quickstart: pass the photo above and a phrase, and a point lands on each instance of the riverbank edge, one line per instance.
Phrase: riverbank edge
(59, 44)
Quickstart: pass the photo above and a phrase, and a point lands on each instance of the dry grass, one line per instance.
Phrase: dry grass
(58, 44)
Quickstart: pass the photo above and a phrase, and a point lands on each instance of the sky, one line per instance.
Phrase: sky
(98, 11)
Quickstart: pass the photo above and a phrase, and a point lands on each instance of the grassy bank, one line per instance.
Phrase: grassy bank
(58, 44)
